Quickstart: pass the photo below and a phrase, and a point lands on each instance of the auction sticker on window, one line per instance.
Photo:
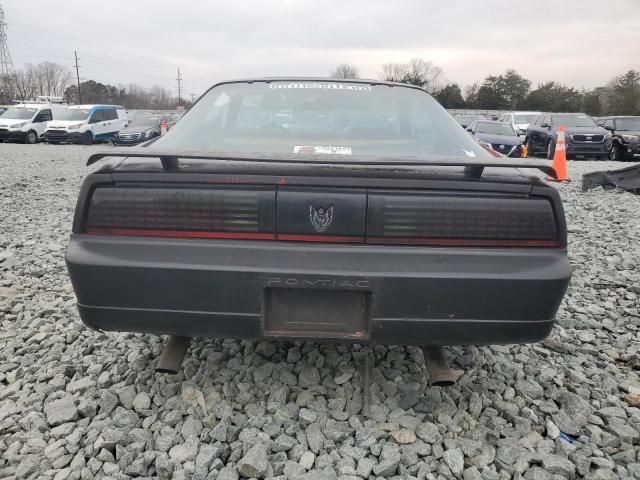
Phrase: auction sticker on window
(322, 86)
(322, 150)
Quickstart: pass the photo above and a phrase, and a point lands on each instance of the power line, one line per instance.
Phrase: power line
(101, 52)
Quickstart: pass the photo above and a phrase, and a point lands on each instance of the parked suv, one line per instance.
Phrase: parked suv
(519, 121)
(626, 137)
(583, 137)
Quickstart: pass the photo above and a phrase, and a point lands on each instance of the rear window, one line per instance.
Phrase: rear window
(519, 119)
(323, 118)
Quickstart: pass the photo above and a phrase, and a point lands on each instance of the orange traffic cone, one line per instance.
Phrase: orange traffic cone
(560, 158)
(163, 127)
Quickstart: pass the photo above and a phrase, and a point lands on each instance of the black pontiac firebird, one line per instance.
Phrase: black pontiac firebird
(319, 209)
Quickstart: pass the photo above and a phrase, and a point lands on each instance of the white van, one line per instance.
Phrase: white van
(518, 120)
(86, 124)
(27, 122)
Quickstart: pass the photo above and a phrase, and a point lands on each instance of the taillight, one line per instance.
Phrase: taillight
(330, 215)
(221, 212)
(460, 220)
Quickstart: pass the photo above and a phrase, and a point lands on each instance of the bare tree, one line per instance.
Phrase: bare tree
(393, 72)
(344, 70)
(25, 82)
(46, 78)
(417, 72)
(424, 74)
(52, 78)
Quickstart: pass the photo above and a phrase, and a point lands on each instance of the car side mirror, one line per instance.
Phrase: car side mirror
(607, 127)
(544, 125)
(469, 130)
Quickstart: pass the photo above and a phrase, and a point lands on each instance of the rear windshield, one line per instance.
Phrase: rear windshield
(19, 113)
(518, 119)
(495, 128)
(628, 124)
(573, 121)
(322, 118)
(73, 114)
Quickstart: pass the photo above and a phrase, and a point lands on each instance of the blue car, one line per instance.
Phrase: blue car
(501, 136)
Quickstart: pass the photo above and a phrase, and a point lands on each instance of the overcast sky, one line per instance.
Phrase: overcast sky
(582, 43)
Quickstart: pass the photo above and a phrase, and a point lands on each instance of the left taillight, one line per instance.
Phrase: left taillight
(214, 212)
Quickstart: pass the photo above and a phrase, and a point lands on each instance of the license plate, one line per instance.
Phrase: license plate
(296, 312)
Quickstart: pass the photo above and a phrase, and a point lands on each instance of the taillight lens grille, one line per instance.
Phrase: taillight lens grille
(183, 209)
(460, 217)
(392, 217)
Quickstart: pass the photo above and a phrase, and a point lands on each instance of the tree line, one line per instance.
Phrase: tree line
(511, 91)
(506, 91)
(52, 79)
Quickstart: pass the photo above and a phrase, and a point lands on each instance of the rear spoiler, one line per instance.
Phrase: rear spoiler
(473, 168)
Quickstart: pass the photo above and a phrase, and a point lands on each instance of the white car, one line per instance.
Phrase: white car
(519, 120)
(27, 122)
(86, 124)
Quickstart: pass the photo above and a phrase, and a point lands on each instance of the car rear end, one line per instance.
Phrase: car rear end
(403, 261)
(315, 246)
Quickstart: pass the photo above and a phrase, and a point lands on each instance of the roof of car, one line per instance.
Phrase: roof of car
(366, 81)
(564, 113)
(617, 116)
(75, 107)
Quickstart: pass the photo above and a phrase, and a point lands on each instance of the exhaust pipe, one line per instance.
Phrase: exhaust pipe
(440, 374)
(173, 354)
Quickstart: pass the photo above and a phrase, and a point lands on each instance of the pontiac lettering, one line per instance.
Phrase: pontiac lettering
(319, 282)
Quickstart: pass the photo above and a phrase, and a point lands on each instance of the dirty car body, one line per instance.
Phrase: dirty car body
(319, 209)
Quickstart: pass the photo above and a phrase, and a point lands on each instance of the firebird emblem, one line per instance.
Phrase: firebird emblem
(320, 217)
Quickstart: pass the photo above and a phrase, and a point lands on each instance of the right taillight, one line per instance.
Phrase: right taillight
(440, 219)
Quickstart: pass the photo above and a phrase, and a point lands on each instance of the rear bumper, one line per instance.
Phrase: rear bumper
(415, 295)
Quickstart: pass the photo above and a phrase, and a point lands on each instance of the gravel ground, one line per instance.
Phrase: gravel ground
(80, 404)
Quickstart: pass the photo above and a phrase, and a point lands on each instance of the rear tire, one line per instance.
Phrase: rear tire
(616, 154)
(551, 148)
(86, 138)
(31, 137)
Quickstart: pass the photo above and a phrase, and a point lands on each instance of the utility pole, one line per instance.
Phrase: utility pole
(78, 77)
(179, 88)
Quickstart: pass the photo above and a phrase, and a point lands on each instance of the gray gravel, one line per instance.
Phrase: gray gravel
(77, 404)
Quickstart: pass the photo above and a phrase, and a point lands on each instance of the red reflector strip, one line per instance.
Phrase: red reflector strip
(462, 242)
(321, 238)
(292, 237)
(179, 233)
